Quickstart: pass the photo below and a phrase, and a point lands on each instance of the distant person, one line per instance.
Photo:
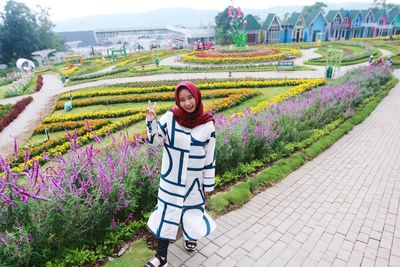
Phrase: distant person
(389, 61)
(380, 61)
(371, 60)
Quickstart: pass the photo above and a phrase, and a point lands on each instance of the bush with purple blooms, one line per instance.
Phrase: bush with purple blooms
(82, 196)
(76, 201)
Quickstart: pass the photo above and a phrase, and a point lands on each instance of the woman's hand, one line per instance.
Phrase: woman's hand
(151, 111)
(207, 194)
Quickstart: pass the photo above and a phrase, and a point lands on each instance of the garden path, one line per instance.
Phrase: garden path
(340, 209)
(22, 127)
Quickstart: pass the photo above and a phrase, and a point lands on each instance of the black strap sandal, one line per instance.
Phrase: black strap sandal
(190, 245)
(153, 262)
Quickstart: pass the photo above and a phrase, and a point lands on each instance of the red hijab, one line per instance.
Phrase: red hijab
(198, 116)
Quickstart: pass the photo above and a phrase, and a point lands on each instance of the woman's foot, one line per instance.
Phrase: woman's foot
(157, 262)
(190, 245)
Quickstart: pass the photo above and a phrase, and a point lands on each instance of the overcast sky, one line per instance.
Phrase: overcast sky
(66, 9)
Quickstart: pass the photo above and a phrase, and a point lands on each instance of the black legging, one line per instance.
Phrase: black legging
(162, 248)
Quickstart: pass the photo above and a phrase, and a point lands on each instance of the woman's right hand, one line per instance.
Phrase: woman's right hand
(151, 111)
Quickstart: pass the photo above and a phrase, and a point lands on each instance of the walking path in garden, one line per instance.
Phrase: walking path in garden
(340, 209)
(22, 127)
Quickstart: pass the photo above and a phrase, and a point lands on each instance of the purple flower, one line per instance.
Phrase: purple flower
(15, 148)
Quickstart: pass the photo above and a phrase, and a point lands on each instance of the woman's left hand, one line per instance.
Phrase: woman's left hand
(207, 194)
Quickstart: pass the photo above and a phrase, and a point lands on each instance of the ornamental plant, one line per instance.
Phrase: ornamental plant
(75, 202)
(236, 16)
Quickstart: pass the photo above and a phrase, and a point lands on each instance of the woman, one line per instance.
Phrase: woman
(187, 172)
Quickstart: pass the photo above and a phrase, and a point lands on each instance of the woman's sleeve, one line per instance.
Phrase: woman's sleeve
(209, 168)
(156, 130)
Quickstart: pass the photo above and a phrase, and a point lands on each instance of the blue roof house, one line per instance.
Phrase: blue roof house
(315, 25)
(272, 29)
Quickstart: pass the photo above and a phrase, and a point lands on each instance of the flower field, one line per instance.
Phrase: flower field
(93, 68)
(102, 111)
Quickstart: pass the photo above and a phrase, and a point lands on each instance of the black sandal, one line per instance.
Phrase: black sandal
(190, 245)
(163, 262)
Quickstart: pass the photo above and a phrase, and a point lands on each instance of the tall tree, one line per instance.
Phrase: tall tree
(318, 6)
(46, 35)
(23, 32)
(19, 32)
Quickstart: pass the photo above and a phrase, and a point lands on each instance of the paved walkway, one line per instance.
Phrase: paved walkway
(340, 209)
(22, 127)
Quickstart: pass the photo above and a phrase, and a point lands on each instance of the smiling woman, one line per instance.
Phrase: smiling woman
(187, 172)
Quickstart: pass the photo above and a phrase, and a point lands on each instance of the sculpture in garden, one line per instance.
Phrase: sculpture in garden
(236, 15)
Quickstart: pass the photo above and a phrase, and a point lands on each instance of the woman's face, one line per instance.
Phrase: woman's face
(186, 100)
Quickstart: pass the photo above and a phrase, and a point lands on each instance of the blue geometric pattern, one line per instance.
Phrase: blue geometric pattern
(188, 169)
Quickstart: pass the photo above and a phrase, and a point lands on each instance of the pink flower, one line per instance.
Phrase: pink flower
(230, 12)
(239, 12)
(245, 22)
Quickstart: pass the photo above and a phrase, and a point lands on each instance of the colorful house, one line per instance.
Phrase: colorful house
(253, 30)
(298, 27)
(394, 20)
(382, 24)
(356, 28)
(336, 25)
(369, 24)
(336, 28)
(315, 25)
(346, 24)
(273, 30)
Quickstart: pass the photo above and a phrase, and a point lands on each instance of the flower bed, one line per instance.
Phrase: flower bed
(144, 97)
(19, 86)
(231, 96)
(17, 109)
(202, 85)
(260, 55)
(122, 64)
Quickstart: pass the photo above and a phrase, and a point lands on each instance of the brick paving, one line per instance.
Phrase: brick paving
(340, 209)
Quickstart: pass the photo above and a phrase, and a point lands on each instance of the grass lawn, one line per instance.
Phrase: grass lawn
(137, 256)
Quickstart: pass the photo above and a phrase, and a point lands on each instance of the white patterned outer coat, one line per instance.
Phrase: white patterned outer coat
(187, 170)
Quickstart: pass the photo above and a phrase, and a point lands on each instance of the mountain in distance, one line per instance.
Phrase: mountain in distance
(191, 18)
(186, 17)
